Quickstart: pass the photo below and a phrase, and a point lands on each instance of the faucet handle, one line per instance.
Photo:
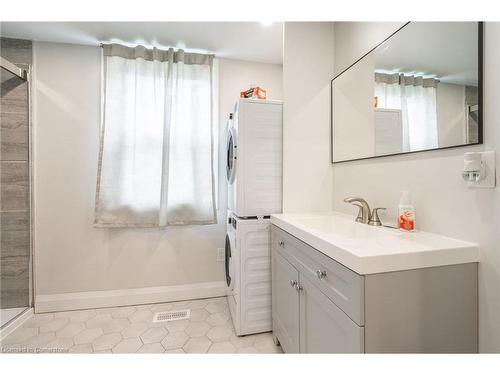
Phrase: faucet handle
(359, 218)
(364, 213)
(374, 219)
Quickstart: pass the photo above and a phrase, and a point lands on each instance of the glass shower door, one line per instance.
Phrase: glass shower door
(15, 177)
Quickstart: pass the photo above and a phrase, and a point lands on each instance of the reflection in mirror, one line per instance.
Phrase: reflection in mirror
(419, 90)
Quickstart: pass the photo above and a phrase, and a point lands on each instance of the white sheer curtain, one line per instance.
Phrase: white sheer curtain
(156, 157)
(416, 98)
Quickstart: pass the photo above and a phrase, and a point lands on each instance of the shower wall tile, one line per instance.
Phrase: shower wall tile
(15, 243)
(14, 133)
(13, 269)
(17, 51)
(14, 278)
(15, 239)
(14, 221)
(12, 298)
(14, 185)
(13, 94)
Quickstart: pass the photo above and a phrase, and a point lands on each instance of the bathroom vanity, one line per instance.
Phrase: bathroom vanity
(344, 287)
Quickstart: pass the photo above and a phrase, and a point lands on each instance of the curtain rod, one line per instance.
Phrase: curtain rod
(176, 49)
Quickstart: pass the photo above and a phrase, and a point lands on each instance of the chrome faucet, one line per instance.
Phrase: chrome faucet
(364, 213)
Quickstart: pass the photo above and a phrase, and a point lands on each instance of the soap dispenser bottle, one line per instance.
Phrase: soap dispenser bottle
(406, 212)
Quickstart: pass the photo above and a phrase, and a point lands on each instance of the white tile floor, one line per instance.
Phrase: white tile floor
(131, 330)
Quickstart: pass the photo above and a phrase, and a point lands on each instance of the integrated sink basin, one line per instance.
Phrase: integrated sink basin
(367, 249)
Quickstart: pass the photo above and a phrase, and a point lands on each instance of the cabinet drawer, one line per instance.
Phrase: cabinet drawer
(342, 285)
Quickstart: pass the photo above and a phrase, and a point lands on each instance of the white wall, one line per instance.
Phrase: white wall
(71, 255)
(236, 76)
(444, 205)
(307, 71)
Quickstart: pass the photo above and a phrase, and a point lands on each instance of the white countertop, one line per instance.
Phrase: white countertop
(367, 249)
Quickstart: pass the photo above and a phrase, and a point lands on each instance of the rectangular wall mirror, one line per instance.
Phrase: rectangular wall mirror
(419, 90)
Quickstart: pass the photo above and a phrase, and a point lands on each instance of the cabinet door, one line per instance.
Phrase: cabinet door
(285, 304)
(324, 328)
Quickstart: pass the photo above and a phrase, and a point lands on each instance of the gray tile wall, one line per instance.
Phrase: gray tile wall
(14, 178)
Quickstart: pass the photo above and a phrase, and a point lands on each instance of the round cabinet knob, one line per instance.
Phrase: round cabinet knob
(321, 274)
(298, 288)
(293, 283)
(281, 243)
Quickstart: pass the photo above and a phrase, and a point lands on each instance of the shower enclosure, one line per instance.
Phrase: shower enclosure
(16, 292)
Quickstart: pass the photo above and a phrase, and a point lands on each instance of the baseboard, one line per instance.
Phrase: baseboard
(125, 297)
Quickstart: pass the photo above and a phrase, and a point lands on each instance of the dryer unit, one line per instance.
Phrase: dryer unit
(248, 274)
(254, 158)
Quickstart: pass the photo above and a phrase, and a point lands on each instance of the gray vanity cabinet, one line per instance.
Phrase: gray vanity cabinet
(305, 320)
(321, 306)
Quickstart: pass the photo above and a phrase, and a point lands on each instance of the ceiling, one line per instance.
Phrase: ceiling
(447, 51)
(251, 41)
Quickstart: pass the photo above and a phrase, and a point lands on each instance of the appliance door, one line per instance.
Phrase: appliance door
(229, 266)
(231, 147)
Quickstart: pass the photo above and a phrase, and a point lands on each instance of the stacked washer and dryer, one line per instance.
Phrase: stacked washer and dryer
(254, 176)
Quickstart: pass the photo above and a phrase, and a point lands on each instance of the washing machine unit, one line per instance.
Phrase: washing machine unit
(254, 158)
(248, 274)
(231, 258)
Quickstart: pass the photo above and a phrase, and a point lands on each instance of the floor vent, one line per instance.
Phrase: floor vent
(169, 316)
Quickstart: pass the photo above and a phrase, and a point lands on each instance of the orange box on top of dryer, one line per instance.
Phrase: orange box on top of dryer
(254, 92)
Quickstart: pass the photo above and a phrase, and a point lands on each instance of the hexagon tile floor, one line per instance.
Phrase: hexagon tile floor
(131, 329)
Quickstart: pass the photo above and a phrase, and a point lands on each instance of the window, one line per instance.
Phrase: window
(156, 164)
